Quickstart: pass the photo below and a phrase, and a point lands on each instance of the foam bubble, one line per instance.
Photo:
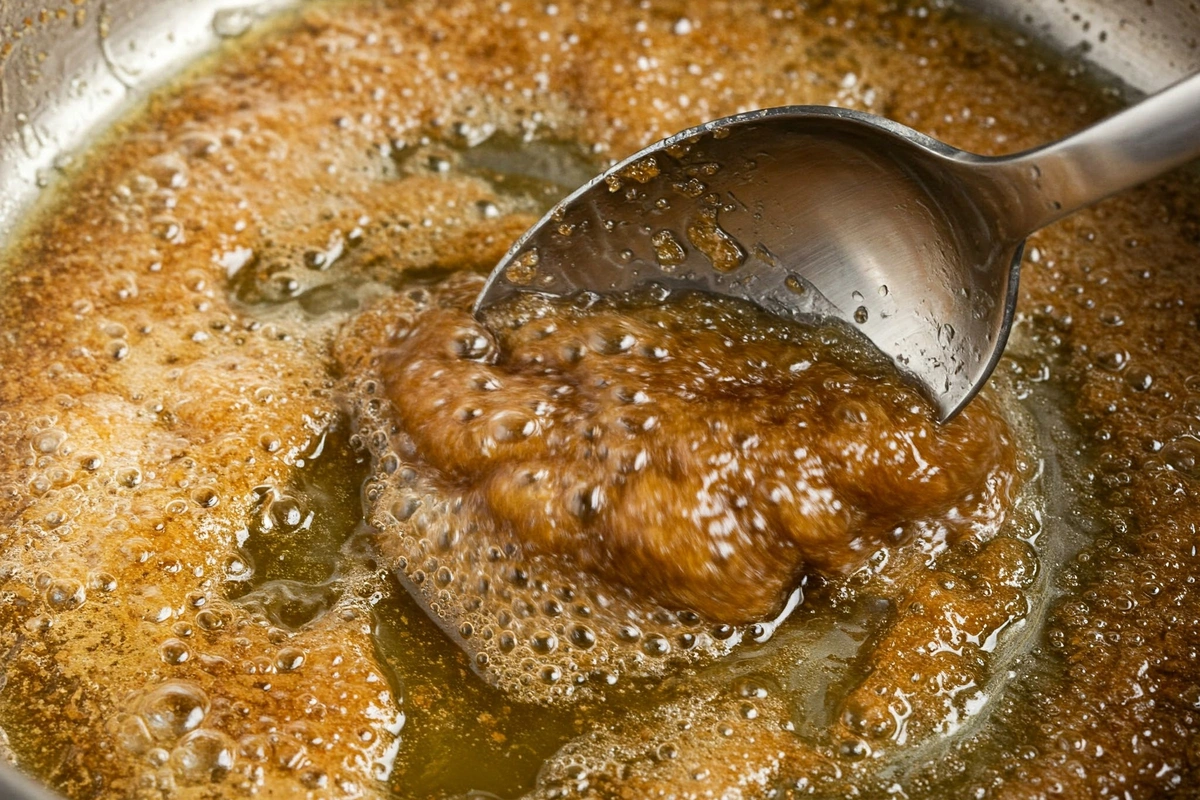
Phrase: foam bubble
(566, 539)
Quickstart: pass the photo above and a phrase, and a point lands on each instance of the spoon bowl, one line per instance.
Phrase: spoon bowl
(814, 212)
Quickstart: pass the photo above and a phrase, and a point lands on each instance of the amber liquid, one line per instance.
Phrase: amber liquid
(190, 278)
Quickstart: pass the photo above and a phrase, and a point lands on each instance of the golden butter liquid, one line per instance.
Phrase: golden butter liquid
(195, 597)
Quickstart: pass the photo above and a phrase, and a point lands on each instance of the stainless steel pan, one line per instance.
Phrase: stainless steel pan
(64, 76)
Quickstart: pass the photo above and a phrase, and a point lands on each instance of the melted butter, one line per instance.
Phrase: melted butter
(172, 311)
(698, 452)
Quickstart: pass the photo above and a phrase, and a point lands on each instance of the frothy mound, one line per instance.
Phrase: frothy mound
(689, 461)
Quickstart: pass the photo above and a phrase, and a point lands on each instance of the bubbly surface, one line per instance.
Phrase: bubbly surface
(193, 604)
(696, 451)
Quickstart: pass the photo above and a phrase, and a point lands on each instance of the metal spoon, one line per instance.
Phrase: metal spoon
(812, 211)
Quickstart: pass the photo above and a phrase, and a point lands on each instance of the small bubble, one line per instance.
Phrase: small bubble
(131, 733)
(286, 513)
(48, 441)
(643, 170)
(1183, 456)
(468, 413)
(237, 568)
(137, 550)
(205, 498)
(167, 229)
(471, 345)
(668, 251)
(612, 342)
(723, 632)
(65, 594)
(1112, 360)
(173, 708)
(289, 659)
(203, 756)
(210, 620)
(693, 187)
(1139, 380)
(511, 426)
(629, 633)
(587, 502)
(582, 637)
(174, 651)
(656, 646)
(129, 477)
(795, 284)
(523, 269)
(544, 642)
(854, 749)
(102, 582)
(232, 22)
(403, 510)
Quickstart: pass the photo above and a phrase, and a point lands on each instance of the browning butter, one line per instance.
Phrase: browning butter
(701, 453)
(278, 518)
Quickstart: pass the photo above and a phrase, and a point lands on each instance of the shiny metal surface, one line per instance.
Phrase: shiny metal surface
(15, 786)
(65, 76)
(813, 211)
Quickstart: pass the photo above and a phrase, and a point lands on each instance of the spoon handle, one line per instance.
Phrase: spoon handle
(1128, 148)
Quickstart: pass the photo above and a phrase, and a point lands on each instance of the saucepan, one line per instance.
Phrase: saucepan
(65, 73)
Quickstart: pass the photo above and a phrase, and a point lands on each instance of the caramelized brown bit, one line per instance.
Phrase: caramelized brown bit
(700, 452)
